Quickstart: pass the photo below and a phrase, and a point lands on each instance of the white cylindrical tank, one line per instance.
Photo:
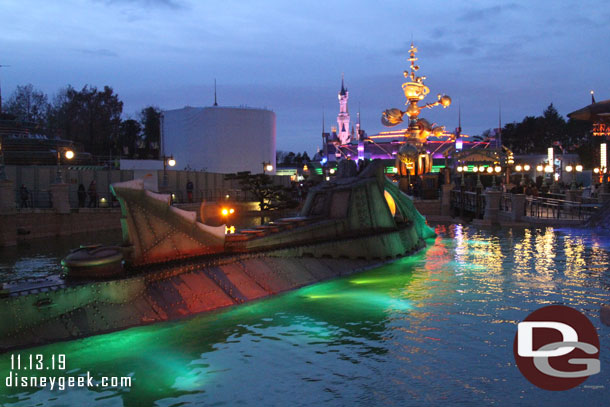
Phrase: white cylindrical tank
(219, 139)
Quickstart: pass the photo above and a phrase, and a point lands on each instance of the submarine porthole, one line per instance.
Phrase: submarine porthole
(390, 202)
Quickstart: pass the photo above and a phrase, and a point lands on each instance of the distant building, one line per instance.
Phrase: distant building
(219, 139)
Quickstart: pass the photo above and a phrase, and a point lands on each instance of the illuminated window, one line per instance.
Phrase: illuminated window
(390, 202)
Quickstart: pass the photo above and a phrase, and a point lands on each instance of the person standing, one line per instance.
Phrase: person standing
(24, 195)
(189, 190)
(93, 195)
(82, 196)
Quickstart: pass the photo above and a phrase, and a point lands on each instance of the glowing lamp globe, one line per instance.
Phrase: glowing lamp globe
(171, 162)
(69, 154)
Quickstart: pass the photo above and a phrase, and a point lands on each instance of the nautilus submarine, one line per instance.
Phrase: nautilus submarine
(175, 266)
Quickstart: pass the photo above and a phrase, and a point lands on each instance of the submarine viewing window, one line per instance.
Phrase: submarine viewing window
(390, 201)
(394, 210)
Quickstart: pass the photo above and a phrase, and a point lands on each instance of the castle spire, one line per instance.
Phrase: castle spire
(343, 117)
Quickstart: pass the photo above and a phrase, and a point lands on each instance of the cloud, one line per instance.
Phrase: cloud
(173, 4)
(486, 12)
(102, 52)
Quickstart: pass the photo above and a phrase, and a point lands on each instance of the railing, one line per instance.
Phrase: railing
(473, 204)
(40, 198)
(550, 208)
(469, 202)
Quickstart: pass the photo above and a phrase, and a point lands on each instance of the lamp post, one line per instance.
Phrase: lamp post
(167, 161)
(603, 171)
(548, 169)
(518, 169)
(573, 168)
(267, 167)
(461, 171)
(69, 154)
(480, 170)
(497, 170)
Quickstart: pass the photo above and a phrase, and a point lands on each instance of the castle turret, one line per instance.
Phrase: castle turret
(343, 132)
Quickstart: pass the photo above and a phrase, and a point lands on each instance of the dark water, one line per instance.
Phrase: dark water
(433, 329)
(42, 257)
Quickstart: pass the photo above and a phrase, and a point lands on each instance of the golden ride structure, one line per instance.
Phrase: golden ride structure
(412, 159)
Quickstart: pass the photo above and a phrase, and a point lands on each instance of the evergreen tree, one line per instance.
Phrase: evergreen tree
(150, 118)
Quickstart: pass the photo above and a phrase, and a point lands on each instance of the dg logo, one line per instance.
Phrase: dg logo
(557, 348)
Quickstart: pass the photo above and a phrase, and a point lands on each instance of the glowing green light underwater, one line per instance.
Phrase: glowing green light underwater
(179, 358)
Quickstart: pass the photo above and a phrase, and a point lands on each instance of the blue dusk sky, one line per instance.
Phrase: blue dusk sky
(288, 56)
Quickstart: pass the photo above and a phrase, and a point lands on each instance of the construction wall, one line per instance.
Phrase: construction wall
(220, 139)
(207, 185)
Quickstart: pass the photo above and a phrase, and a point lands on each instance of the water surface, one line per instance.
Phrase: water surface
(432, 329)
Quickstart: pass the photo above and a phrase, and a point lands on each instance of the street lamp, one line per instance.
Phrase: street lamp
(496, 170)
(69, 154)
(519, 170)
(602, 173)
(576, 168)
(167, 161)
(267, 166)
(479, 170)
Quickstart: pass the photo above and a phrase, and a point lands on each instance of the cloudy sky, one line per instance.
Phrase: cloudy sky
(289, 55)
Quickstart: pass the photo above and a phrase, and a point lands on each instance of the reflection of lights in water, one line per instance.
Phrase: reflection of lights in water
(384, 321)
(574, 250)
(544, 254)
(523, 252)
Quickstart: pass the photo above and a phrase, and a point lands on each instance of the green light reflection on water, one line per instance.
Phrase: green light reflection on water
(175, 359)
(176, 351)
